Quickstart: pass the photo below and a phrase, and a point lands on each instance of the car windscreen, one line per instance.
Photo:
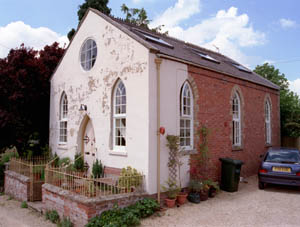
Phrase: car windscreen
(282, 156)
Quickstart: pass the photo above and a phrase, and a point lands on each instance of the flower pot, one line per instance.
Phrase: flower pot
(204, 195)
(170, 202)
(212, 192)
(181, 198)
(194, 197)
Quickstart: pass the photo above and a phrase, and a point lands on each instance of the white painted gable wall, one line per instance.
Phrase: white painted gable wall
(119, 56)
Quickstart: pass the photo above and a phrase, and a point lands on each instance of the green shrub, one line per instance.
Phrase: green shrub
(7, 156)
(64, 162)
(53, 216)
(130, 177)
(78, 162)
(66, 222)
(147, 207)
(125, 217)
(98, 169)
(55, 159)
(24, 205)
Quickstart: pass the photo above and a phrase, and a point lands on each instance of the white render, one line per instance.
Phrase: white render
(119, 57)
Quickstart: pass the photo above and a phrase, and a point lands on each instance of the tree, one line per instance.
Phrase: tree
(100, 5)
(25, 92)
(289, 101)
(136, 16)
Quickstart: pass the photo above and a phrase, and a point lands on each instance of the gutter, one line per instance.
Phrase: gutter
(158, 62)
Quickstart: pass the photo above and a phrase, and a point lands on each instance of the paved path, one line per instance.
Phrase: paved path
(249, 207)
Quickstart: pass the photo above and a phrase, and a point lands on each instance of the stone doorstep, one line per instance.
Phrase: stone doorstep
(36, 206)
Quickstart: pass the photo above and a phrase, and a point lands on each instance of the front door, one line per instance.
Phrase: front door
(89, 145)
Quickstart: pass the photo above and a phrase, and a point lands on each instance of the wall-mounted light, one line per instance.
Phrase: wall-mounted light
(83, 107)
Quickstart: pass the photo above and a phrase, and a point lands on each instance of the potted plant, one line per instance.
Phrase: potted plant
(204, 191)
(172, 190)
(213, 187)
(173, 143)
(195, 187)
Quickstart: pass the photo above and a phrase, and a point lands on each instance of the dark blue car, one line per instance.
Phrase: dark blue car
(280, 166)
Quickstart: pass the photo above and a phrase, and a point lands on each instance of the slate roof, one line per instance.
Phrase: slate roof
(187, 52)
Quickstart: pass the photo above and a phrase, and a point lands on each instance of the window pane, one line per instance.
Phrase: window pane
(181, 132)
(188, 142)
(123, 122)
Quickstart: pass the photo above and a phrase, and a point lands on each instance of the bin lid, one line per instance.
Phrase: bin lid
(231, 161)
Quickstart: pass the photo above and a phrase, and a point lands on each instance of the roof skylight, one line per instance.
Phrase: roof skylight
(240, 67)
(205, 56)
(155, 39)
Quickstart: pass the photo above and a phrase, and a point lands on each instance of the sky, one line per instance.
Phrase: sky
(251, 32)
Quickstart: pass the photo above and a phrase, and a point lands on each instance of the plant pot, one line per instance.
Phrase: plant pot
(204, 195)
(170, 202)
(194, 197)
(181, 198)
(212, 192)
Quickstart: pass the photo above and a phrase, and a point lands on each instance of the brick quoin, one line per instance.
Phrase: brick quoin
(212, 102)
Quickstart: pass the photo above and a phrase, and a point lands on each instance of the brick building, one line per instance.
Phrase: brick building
(128, 82)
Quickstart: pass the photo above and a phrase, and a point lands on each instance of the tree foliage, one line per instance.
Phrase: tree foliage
(100, 5)
(136, 16)
(289, 101)
(24, 93)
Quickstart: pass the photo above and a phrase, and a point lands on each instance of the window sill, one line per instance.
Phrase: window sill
(62, 146)
(237, 148)
(118, 153)
(189, 152)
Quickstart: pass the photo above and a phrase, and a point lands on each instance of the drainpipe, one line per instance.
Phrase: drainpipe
(158, 62)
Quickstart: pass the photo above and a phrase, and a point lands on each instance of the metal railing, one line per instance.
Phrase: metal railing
(33, 168)
(79, 183)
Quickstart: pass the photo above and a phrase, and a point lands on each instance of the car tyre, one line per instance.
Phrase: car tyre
(261, 185)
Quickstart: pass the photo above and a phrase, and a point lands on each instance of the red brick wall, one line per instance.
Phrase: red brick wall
(17, 185)
(213, 109)
(81, 209)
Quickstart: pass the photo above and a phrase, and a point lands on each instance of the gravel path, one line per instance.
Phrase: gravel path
(12, 215)
(276, 206)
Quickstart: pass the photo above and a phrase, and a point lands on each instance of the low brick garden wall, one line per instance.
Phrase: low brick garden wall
(17, 185)
(81, 209)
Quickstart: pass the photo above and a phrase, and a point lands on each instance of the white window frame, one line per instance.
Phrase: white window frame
(88, 61)
(236, 120)
(119, 116)
(63, 119)
(268, 122)
(186, 116)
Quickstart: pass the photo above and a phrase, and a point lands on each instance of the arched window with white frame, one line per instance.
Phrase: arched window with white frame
(268, 121)
(63, 119)
(186, 117)
(119, 117)
(236, 120)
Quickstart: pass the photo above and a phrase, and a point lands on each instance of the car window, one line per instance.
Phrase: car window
(283, 156)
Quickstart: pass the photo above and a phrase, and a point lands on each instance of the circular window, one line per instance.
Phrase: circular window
(88, 54)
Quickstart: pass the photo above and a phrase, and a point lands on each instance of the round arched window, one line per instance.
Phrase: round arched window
(88, 54)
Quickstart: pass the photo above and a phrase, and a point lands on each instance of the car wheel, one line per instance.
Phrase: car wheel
(261, 185)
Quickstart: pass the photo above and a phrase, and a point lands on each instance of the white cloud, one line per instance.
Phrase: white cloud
(227, 30)
(16, 33)
(295, 86)
(182, 10)
(287, 23)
